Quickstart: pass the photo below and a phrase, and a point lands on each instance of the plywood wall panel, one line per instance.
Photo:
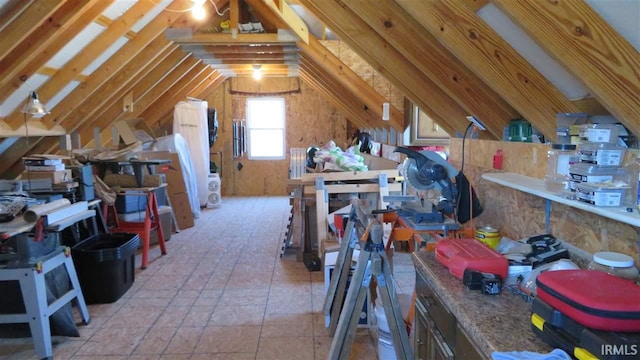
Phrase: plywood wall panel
(311, 121)
(518, 215)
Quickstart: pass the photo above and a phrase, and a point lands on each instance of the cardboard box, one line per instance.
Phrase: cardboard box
(127, 129)
(379, 163)
(182, 210)
(56, 177)
(173, 171)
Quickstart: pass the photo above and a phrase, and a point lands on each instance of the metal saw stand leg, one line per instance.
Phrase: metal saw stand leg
(340, 276)
(372, 262)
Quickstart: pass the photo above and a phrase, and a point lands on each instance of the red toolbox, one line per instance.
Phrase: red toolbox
(460, 254)
(592, 298)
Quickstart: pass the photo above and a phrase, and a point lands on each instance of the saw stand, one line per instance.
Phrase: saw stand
(372, 265)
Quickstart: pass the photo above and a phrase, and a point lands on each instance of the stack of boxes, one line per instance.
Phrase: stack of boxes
(599, 177)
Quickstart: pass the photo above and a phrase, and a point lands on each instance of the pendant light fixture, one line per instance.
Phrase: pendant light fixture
(33, 107)
(257, 72)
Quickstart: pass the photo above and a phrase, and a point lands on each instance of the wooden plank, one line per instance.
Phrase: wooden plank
(353, 188)
(403, 32)
(286, 13)
(483, 51)
(350, 175)
(224, 39)
(575, 34)
(12, 10)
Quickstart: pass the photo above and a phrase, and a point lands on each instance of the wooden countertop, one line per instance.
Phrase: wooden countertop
(494, 322)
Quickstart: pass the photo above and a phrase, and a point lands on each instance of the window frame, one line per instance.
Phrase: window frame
(250, 128)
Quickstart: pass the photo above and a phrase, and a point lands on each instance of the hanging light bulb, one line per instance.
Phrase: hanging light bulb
(198, 12)
(257, 72)
(34, 106)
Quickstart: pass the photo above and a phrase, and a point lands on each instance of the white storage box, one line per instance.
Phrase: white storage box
(598, 195)
(599, 133)
(601, 154)
(590, 173)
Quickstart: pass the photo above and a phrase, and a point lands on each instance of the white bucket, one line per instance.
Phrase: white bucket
(386, 350)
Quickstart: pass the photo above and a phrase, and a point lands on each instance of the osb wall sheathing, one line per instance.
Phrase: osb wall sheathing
(366, 72)
(518, 215)
(311, 121)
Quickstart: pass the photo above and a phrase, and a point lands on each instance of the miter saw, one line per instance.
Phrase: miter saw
(426, 170)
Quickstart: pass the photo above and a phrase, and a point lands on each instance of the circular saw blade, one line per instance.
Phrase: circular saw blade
(412, 176)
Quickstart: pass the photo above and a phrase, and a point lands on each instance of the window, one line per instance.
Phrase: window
(265, 124)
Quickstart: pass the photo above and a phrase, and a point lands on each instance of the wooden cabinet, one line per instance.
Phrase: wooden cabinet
(437, 332)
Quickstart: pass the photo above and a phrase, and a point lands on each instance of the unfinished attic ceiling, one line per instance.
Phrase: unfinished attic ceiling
(497, 60)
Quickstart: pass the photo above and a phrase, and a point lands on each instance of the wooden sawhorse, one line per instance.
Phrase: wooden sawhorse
(143, 229)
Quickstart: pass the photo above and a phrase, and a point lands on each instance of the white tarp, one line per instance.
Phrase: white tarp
(177, 144)
(190, 120)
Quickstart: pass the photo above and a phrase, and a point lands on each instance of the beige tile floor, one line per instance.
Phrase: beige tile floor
(221, 292)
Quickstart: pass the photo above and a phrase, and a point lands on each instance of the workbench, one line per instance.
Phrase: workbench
(321, 185)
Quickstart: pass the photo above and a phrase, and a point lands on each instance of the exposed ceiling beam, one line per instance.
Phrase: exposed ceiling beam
(371, 100)
(483, 51)
(186, 70)
(32, 127)
(245, 49)
(350, 103)
(391, 64)
(403, 32)
(46, 41)
(14, 156)
(574, 34)
(25, 24)
(184, 37)
(143, 42)
(286, 14)
(72, 69)
(197, 88)
(12, 10)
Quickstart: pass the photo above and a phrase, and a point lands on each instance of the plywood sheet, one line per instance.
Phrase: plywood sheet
(518, 215)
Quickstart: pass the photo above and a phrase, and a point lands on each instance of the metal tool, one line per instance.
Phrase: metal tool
(372, 265)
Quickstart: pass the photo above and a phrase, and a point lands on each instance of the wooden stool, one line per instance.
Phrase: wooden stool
(143, 229)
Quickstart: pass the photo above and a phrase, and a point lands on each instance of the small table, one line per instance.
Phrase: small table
(137, 166)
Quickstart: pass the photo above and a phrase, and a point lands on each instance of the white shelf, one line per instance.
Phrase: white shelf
(536, 187)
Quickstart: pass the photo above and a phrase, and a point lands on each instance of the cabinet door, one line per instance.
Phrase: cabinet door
(429, 343)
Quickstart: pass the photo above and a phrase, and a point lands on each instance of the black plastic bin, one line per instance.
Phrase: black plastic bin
(105, 265)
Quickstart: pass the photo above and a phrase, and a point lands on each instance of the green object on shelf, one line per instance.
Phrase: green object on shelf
(520, 130)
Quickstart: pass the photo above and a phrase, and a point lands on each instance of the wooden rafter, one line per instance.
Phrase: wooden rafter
(46, 41)
(483, 51)
(370, 98)
(403, 32)
(25, 24)
(188, 68)
(144, 41)
(71, 70)
(391, 64)
(574, 34)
